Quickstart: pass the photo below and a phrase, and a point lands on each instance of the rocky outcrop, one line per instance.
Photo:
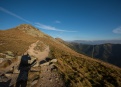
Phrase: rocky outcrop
(43, 73)
(31, 30)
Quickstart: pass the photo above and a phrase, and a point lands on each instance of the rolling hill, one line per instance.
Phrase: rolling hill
(63, 67)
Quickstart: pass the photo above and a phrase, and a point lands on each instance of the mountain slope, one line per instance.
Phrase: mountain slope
(106, 52)
(74, 69)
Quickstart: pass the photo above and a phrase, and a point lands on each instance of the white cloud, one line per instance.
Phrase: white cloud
(58, 22)
(47, 27)
(117, 30)
(13, 14)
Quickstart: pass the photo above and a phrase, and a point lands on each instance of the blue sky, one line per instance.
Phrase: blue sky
(66, 19)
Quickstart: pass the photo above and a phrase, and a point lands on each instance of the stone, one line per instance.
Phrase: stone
(8, 75)
(35, 69)
(16, 71)
(53, 60)
(34, 82)
(53, 68)
(9, 53)
(57, 79)
(1, 60)
(45, 64)
(2, 55)
(9, 57)
(50, 80)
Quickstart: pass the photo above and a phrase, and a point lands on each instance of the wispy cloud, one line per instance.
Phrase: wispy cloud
(47, 27)
(13, 14)
(39, 25)
(117, 30)
(58, 22)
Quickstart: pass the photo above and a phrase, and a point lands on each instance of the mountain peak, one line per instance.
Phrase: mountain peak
(59, 39)
(29, 29)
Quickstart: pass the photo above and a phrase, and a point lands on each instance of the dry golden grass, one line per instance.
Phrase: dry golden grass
(76, 69)
(15, 40)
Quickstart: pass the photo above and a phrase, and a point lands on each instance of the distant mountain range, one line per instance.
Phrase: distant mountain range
(107, 52)
(94, 42)
(63, 67)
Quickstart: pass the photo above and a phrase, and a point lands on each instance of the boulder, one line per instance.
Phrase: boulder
(9, 53)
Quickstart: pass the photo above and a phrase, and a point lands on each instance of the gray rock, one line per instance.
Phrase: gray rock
(15, 70)
(1, 60)
(9, 53)
(9, 57)
(45, 64)
(53, 60)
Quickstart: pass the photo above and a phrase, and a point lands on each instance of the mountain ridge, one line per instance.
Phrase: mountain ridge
(75, 69)
(96, 42)
(106, 52)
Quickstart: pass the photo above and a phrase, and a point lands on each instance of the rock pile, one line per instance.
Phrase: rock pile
(42, 74)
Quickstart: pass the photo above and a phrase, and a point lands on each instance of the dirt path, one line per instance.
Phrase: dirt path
(40, 55)
(48, 76)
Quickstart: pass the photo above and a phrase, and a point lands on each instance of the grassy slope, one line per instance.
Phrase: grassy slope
(76, 69)
(15, 41)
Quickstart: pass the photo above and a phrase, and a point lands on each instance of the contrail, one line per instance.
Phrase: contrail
(13, 14)
(39, 25)
(46, 27)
